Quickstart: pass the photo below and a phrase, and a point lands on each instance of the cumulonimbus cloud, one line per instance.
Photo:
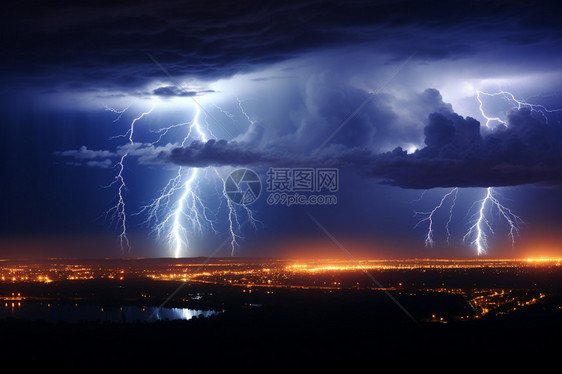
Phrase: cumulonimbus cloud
(211, 42)
(457, 152)
(523, 151)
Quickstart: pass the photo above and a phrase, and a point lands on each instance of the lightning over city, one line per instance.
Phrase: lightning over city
(428, 217)
(477, 230)
(179, 213)
(216, 185)
(118, 211)
(189, 205)
(480, 224)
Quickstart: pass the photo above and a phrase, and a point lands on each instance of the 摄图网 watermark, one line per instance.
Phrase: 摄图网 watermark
(286, 186)
(302, 186)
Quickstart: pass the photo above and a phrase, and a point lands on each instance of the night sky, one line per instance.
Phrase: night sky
(386, 92)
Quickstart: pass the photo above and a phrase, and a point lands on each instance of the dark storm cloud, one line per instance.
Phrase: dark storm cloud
(104, 43)
(83, 153)
(222, 152)
(457, 152)
(212, 153)
(526, 151)
(175, 91)
(145, 153)
(329, 102)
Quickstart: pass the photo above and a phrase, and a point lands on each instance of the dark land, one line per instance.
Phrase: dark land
(466, 317)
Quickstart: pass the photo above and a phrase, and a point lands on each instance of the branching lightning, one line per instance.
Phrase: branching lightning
(515, 103)
(477, 234)
(243, 111)
(428, 217)
(451, 215)
(481, 223)
(189, 205)
(179, 211)
(118, 111)
(477, 230)
(481, 227)
(481, 107)
(118, 211)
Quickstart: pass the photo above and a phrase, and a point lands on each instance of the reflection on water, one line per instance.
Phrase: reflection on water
(179, 313)
(74, 313)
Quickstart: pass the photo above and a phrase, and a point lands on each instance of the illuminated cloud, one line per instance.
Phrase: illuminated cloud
(298, 69)
(526, 151)
(83, 153)
(175, 91)
(456, 153)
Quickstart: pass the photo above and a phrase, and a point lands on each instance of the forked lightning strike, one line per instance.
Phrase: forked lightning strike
(178, 219)
(118, 211)
(477, 230)
(516, 103)
(477, 234)
(428, 217)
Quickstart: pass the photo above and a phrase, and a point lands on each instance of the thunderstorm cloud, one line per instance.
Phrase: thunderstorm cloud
(176, 91)
(105, 44)
(282, 78)
(458, 152)
(524, 151)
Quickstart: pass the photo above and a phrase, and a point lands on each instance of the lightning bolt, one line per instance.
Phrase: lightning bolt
(428, 217)
(481, 224)
(420, 198)
(514, 102)
(453, 203)
(480, 228)
(120, 112)
(477, 230)
(178, 220)
(243, 111)
(189, 215)
(481, 108)
(118, 211)
(189, 199)
(226, 113)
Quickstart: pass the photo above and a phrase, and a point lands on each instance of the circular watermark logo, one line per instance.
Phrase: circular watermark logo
(243, 186)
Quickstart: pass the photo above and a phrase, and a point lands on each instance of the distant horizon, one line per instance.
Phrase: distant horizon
(302, 258)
